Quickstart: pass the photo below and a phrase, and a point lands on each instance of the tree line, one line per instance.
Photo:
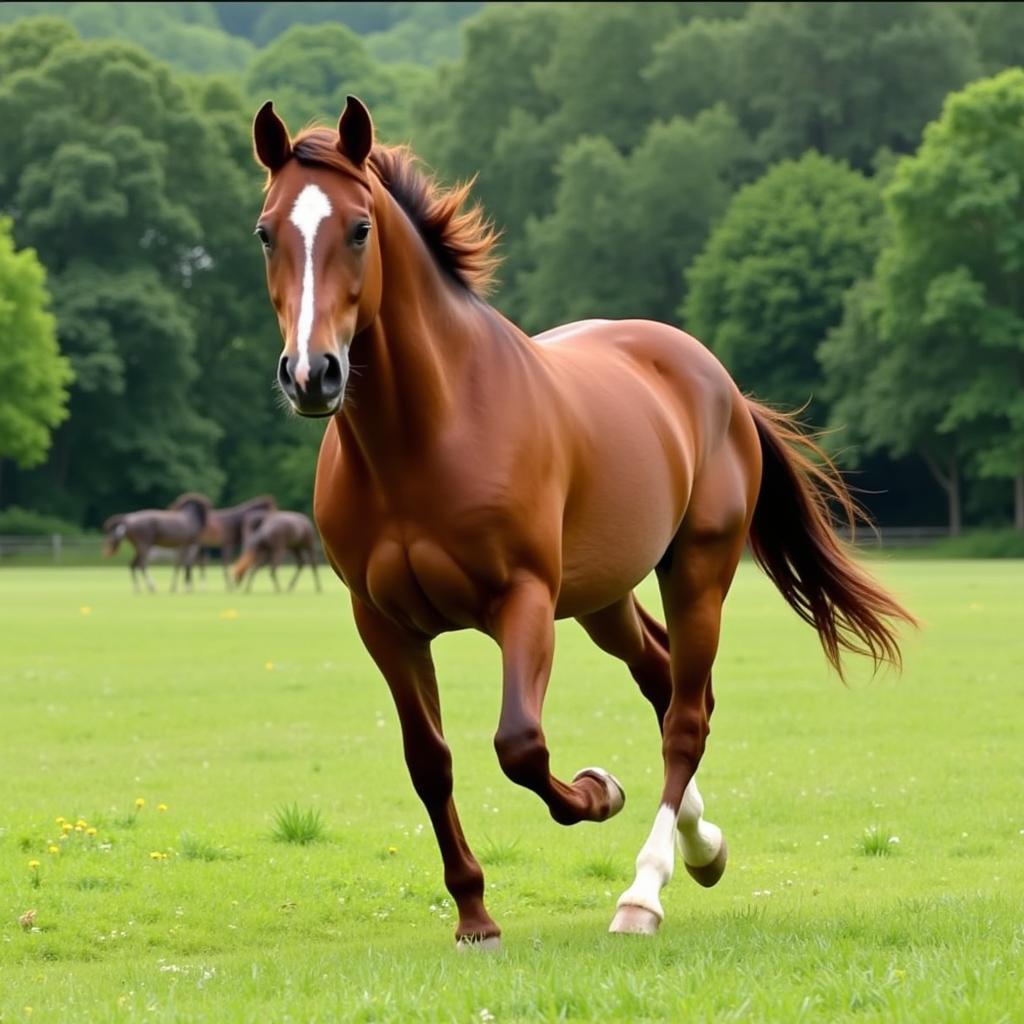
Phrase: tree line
(827, 194)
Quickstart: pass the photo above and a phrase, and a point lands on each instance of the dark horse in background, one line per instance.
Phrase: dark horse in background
(471, 477)
(269, 536)
(225, 530)
(179, 527)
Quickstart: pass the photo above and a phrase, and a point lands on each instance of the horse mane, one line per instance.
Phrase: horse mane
(461, 240)
(194, 498)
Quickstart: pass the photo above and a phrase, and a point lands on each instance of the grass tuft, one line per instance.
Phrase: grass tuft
(604, 868)
(196, 848)
(496, 852)
(878, 842)
(295, 824)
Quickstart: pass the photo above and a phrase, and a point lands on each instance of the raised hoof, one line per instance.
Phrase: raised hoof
(630, 920)
(490, 944)
(709, 874)
(616, 794)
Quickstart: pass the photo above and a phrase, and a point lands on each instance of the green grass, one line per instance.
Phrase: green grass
(295, 824)
(225, 708)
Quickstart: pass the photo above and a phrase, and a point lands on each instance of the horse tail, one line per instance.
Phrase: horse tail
(793, 539)
(115, 529)
(243, 565)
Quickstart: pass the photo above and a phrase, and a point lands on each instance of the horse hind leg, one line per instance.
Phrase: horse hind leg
(694, 583)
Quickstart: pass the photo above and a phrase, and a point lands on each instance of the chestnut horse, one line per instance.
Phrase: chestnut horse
(473, 477)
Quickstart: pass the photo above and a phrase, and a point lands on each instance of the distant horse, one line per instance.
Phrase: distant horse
(178, 527)
(271, 535)
(224, 530)
(472, 477)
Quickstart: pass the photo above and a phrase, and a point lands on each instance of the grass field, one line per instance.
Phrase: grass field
(225, 708)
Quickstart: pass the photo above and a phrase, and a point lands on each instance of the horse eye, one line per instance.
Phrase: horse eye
(264, 236)
(361, 232)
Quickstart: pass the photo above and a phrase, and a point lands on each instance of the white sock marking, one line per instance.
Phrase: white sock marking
(654, 865)
(699, 840)
(311, 207)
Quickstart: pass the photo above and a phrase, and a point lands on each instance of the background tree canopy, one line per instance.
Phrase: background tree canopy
(762, 174)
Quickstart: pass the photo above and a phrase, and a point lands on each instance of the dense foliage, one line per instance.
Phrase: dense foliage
(753, 172)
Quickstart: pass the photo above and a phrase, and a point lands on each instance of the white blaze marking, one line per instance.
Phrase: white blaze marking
(311, 207)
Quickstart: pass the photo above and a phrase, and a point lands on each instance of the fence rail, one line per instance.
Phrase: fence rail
(58, 547)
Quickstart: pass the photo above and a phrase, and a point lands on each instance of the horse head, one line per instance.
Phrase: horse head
(323, 259)
(194, 504)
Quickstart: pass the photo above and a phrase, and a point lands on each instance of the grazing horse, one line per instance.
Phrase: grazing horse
(269, 535)
(473, 477)
(179, 527)
(225, 530)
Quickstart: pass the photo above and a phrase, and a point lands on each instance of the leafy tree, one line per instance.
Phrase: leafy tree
(122, 186)
(770, 281)
(949, 279)
(623, 228)
(309, 71)
(841, 78)
(34, 376)
(186, 35)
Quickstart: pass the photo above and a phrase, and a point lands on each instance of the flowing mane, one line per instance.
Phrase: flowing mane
(462, 240)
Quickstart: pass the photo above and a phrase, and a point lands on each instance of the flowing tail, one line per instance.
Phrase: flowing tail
(242, 566)
(115, 529)
(794, 541)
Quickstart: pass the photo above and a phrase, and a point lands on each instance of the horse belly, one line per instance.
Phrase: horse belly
(619, 528)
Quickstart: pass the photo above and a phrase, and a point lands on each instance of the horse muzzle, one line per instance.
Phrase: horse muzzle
(315, 387)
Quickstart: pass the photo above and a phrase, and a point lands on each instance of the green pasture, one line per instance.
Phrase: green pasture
(226, 707)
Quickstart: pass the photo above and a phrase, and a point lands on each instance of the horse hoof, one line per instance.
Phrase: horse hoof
(709, 874)
(489, 944)
(630, 920)
(616, 794)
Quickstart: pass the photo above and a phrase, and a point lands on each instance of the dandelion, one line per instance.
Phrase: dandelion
(140, 803)
(53, 849)
(392, 850)
(78, 828)
(90, 832)
(157, 855)
(229, 613)
(161, 807)
(60, 821)
(67, 827)
(85, 610)
(81, 823)
(33, 865)
(269, 666)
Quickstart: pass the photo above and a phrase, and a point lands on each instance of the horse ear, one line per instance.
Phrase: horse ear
(355, 131)
(270, 138)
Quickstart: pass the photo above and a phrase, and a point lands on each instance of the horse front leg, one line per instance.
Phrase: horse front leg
(406, 664)
(525, 631)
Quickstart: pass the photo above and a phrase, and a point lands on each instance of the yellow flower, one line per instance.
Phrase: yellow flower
(60, 821)
(156, 855)
(90, 831)
(85, 610)
(140, 803)
(81, 823)
(161, 807)
(33, 865)
(53, 849)
(229, 613)
(28, 1011)
(78, 828)
(66, 827)
(392, 850)
(269, 666)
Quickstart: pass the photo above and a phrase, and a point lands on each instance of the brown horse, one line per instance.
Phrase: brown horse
(225, 530)
(178, 527)
(473, 477)
(268, 537)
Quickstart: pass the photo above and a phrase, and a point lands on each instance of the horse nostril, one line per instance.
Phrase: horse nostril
(284, 377)
(331, 378)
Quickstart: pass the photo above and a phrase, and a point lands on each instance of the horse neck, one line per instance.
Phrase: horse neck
(407, 366)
